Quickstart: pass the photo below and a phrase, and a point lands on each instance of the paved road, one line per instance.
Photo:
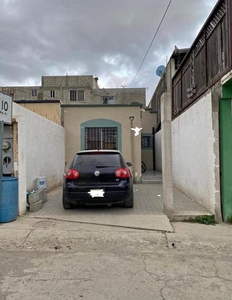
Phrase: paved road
(47, 259)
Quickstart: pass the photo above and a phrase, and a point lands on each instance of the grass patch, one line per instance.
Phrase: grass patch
(207, 220)
(229, 220)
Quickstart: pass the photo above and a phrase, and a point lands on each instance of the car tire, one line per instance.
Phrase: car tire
(130, 202)
(66, 204)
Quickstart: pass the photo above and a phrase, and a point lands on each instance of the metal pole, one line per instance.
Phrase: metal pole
(1, 144)
(132, 148)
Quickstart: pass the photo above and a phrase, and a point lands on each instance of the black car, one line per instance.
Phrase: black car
(98, 177)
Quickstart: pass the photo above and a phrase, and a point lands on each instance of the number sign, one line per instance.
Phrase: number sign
(5, 108)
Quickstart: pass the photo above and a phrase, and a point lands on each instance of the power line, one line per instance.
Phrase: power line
(151, 42)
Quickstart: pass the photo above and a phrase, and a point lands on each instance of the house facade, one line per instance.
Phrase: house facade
(104, 127)
(93, 117)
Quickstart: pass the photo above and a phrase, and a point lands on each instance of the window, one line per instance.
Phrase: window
(52, 94)
(34, 93)
(80, 95)
(147, 141)
(77, 95)
(73, 95)
(108, 100)
(101, 138)
(86, 161)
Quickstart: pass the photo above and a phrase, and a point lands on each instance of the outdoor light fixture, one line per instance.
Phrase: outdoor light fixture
(131, 118)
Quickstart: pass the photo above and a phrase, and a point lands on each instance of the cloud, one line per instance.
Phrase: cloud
(101, 38)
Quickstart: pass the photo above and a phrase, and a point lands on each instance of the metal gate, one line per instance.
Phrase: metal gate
(101, 138)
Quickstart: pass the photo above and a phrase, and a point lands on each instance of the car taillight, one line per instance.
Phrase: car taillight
(72, 174)
(122, 173)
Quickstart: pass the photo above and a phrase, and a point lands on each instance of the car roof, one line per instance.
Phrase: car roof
(99, 150)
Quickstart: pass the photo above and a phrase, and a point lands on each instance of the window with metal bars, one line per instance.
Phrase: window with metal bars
(101, 138)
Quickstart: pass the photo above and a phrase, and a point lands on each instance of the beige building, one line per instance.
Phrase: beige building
(49, 109)
(94, 118)
(104, 127)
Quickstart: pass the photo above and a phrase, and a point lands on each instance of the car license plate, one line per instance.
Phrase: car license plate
(96, 193)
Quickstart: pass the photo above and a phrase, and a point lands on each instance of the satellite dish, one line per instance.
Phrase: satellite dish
(160, 71)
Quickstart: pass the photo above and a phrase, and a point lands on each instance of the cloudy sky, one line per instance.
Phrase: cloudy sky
(104, 38)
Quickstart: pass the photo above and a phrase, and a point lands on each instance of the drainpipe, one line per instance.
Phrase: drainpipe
(132, 145)
(153, 145)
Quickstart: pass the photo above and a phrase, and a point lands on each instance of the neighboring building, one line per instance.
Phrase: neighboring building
(94, 117)
(164, 86)
(50, 109)
(201, 91)
(75, 89)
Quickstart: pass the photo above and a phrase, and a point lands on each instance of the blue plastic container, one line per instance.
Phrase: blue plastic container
(9, 201)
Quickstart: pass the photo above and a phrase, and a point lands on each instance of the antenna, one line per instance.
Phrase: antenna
(160, 71)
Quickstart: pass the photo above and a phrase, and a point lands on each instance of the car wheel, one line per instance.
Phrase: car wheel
(66, 204)
(130, 202)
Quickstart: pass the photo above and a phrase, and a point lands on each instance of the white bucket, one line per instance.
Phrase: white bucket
(41, 182)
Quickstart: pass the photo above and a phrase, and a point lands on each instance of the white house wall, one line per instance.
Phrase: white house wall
(41, 152)
(193, 153)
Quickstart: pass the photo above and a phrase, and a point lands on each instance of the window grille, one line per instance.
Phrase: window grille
(101, 138)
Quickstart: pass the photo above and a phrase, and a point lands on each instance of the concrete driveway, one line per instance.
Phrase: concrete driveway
(146, 214)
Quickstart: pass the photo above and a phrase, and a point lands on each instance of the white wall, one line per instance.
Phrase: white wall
(41, 152)
(158, 154)
(193, 153)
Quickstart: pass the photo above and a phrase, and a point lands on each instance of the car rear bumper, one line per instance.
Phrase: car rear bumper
(108, 197)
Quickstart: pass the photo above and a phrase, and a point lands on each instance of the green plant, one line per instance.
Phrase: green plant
(205, 219)
(229, 220)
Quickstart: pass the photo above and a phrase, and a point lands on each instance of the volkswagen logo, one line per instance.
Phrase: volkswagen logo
(96, 173)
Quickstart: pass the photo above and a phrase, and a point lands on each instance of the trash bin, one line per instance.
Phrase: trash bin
(9, 201)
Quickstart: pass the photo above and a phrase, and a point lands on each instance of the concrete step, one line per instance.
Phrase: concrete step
(151, 181)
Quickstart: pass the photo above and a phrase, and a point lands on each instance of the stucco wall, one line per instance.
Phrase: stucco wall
(130, 144)
(50, 111)
(193, 153)
(158, 154)
(41, 151)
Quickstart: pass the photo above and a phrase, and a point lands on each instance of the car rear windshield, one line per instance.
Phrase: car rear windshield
(97, 160)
